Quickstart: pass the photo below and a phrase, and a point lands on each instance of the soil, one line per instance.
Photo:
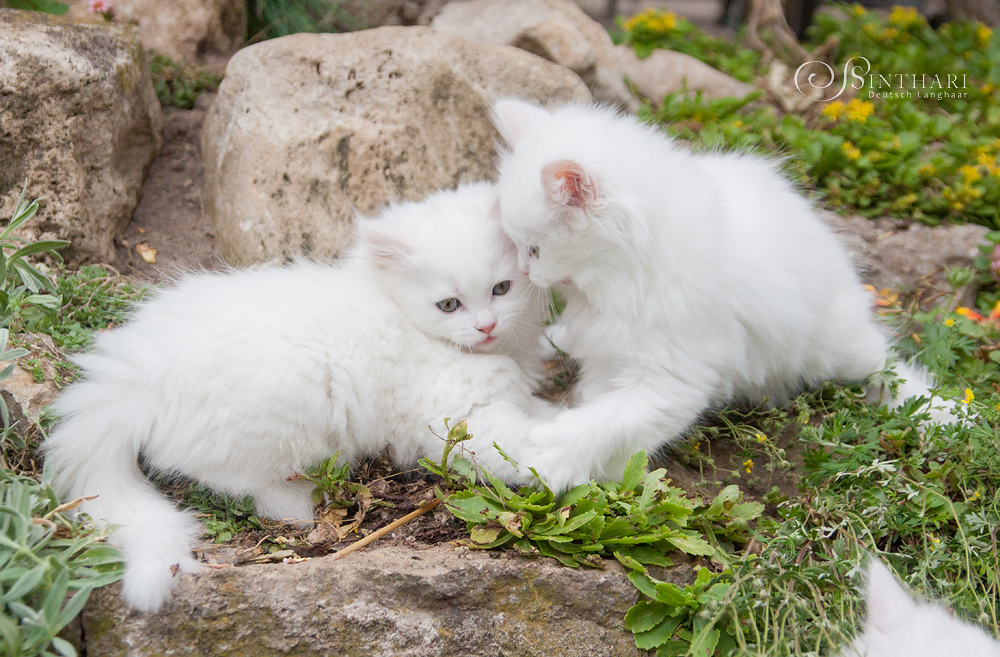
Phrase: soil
(170, 216)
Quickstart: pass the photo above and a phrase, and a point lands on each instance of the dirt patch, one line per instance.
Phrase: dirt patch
(170, 217)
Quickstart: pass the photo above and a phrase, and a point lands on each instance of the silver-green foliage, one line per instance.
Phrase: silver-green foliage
(48, 566)
(26, 292)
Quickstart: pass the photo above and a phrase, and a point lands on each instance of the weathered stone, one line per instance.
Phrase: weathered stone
(897, 254)
(309, 127)
(80, 120)
(194, 31)
(556, 30)
(25, 398)
(391, 600)
(666, 71)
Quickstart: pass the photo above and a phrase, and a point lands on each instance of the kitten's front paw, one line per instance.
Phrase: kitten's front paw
(554, 340)
(554, 458)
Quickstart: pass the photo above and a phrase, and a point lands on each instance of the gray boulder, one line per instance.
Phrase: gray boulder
(897, 254)
(393, 600)
(193, 31)
(80, 120)
(310, 127)
(556, 30)
(666, 71)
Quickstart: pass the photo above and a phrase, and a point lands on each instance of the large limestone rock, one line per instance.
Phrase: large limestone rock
(194, 31)
(381, 601)
(556, 30)
(309, 127)
(80, 120)
(666, 71)
(897, 254)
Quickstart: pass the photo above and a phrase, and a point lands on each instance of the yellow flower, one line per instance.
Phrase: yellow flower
(761, 437)
(969, 172)
(850, 151)
(949, 322)
(888, 34)
(983, 35)
(985, 159)
(737, 123)
(969, 396)
(974, 496)
(905, 16)
(697, 445)
(748, 464)
(652, 20)
(859, 110)
(927, 170)
(858, 11)
(935, 539)
(833, 110)
(986, 89)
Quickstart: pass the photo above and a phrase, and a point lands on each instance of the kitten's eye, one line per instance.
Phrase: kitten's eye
(532, 251)
(501, 288)
(449, 305)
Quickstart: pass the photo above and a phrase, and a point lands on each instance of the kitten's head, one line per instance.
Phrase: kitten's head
(899, 626)
(453, 272)
(556, 188)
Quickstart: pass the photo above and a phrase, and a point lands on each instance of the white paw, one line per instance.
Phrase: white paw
(553, 340)
(552, 455)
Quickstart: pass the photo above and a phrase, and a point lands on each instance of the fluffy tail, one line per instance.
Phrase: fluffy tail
(94, 451)
(914, 381)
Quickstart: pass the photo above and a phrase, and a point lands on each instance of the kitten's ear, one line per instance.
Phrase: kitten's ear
(888, 602)
(516, 118)
(381, 245)
(567, 183)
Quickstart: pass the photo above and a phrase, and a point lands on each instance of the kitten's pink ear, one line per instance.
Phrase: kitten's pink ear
(567, 183)
(888, 602)
(384, 248)
(516, 118)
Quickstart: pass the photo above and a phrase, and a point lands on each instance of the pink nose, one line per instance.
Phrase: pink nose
(486, 329)
(523, 270)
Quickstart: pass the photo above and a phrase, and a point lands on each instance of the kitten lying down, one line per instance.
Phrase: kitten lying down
(240, 379)
(898, 626)
(690, 280)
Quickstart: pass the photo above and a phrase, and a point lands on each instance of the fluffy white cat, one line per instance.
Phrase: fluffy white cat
(240, 379)
(690, 280)
(898, 626)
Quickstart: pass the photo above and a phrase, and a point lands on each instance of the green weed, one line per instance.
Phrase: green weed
(49, 564)
(180, 84)
(921, 156)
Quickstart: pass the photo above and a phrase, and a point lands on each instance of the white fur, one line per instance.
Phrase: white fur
(898, 626)
(240, 379)
(690, 280)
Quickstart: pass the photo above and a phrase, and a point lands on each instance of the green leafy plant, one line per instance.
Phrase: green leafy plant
(639, 521)
(49, 564)
(45, 6)
(180, 84)
(27, 296)
(6, 355)
(874, 151)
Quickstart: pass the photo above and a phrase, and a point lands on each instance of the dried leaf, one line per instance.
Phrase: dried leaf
(147, 252)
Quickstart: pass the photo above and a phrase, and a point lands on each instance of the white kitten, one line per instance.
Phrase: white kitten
(898, 626)
(690, 280)
(240, 379)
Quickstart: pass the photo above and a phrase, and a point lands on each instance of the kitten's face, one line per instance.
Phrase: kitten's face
(547, 206)
(454, 274)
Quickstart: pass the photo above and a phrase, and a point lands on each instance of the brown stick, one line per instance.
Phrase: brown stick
(375, 535)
